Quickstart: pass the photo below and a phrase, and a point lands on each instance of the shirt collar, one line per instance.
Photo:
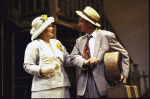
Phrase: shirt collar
(93, 34)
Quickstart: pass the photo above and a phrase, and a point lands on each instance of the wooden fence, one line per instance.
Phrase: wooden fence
(136, 79)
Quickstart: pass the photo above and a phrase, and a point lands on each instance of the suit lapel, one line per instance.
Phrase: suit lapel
(58, 53)
(97, 43)
(83, 42)
(45, 47)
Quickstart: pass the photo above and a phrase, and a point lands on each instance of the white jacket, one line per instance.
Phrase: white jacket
(38, 54)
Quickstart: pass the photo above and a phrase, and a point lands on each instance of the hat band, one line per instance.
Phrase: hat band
(40, 25)
(89, 17)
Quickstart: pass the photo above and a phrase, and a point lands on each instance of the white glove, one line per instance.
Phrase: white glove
(47, 74)
(50, 68)
(47, 71)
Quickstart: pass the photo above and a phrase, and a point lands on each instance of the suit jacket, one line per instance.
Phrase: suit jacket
(38, 54)
(105, 41)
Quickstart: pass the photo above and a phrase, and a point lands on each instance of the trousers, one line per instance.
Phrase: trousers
(91, 90)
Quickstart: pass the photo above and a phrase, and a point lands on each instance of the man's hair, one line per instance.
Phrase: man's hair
(91, 24)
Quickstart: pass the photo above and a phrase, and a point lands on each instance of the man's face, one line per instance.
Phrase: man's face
(83, 25)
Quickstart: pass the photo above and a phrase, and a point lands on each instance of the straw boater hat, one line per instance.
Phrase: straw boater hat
(39, 24)
(90, 15)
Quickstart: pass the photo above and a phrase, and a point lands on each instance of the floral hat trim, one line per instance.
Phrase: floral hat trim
(44, 17)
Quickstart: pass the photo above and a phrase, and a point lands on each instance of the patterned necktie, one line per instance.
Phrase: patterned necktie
(86, 52)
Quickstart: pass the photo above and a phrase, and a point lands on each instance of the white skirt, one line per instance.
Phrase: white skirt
(61, 92)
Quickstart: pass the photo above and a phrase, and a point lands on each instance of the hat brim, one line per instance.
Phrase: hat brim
(38, 31)
(86, 18)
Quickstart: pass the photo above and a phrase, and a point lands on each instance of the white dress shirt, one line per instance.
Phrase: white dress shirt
(92, 42)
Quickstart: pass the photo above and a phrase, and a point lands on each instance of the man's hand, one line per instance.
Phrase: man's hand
(87, 62)
(91, 61)
(124, 81)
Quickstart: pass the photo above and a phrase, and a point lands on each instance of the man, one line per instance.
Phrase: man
(88, 55)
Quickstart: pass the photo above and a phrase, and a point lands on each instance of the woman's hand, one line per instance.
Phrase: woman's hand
(57, 66)
(47, 69)
(50, 68)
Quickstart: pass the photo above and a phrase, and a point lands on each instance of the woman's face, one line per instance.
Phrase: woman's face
(48, 32)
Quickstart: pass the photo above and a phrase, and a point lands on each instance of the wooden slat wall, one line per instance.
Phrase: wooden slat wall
(27, 7)
(81, 5)
(42, 4)
(68, 7)
(73, 8)
(63, 6)
(34, 5)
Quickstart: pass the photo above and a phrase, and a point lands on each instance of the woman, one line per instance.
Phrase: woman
(44, 58)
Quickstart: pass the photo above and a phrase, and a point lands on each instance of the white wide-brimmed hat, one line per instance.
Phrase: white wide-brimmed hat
(90, 15)
(39, 24)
